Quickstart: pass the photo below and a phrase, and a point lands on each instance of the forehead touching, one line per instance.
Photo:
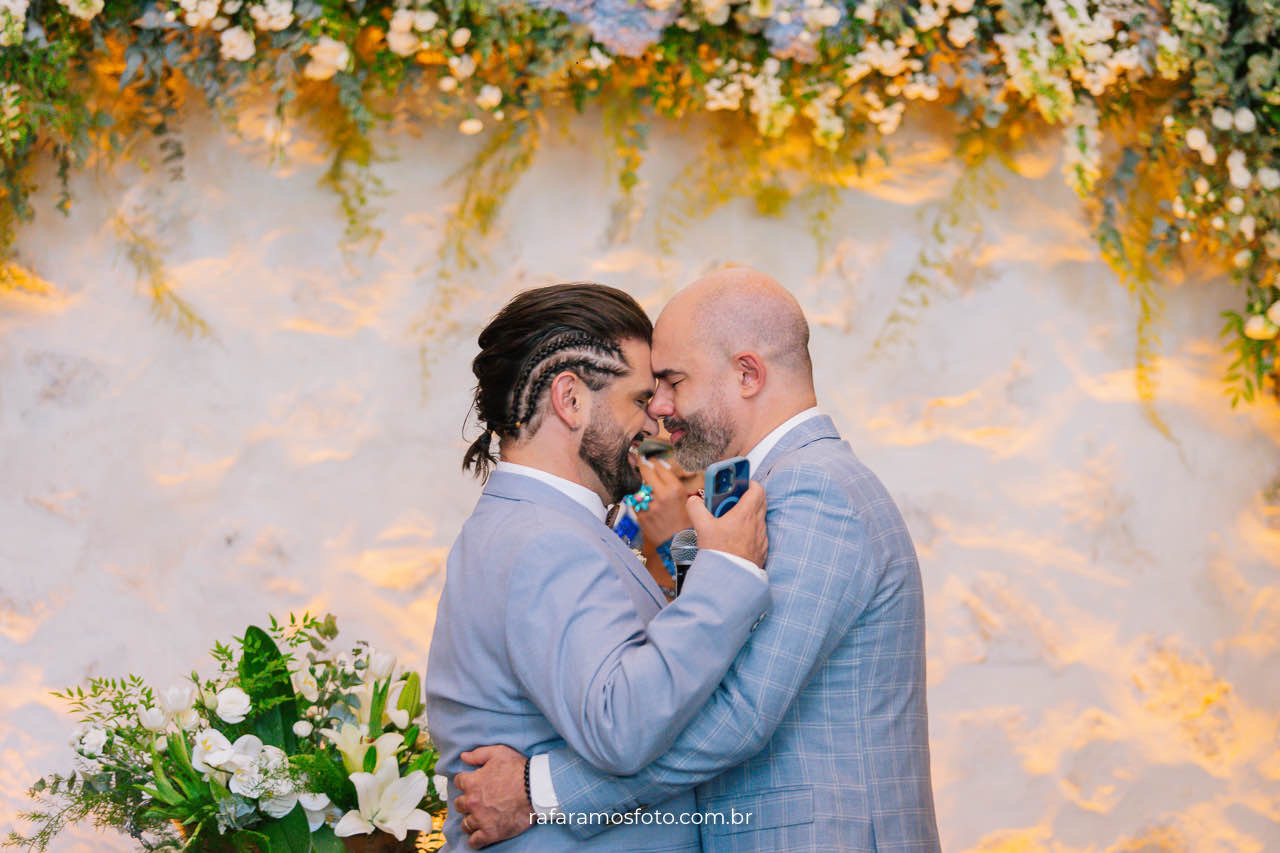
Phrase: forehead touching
(676, 347)
(639, 375)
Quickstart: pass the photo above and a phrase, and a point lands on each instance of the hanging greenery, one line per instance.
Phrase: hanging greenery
(1168, 109)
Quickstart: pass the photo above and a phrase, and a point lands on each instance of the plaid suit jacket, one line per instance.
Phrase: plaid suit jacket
(550, 632)
(817, 738)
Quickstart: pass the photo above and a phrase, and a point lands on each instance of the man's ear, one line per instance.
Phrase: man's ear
(751, 373)
(567, 399)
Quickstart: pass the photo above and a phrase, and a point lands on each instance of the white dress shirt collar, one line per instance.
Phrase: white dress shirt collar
(757, 454)
(576, 491)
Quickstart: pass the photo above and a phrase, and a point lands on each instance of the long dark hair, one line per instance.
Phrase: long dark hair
(536, 336)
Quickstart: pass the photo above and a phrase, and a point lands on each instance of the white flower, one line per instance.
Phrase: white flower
(211, 751)
(1240, 178)
(448, 84)
(1222, 119)
(381, 665)
(1196, 139)
(1209, 155)
(1218, 222)
(460, 37)
(233, 705)
(1271, 240)
(13, 21)
(237, 44)
(1235, 204)
(401, 21)
(278, 806)
(83, 9)
(328, 57)
(302, 728)
(1201, 185)
(305, 683)
(179, 702)
(315, 806)
(1246, 122)
(273, 15)
(352, 745)
(822, 17)
(963, 7)
(1273, 313)
(715, 12)
(152, 719)
(723, 94)
(1257, 327)
(489, 97)
(1247, 225)
(1236, 160)
(462, 67)
(425, 21)
(386, 802)
(202, 13)
(928, 17)
(403, 42)
(962, 30)
(1269, 178)
(1243, 258)
(597, 60)
(93, 741)
(471, 126)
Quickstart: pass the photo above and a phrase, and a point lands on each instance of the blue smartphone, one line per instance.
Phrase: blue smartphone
(726, 483)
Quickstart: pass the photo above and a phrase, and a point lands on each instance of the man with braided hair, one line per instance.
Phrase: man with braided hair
(550, 632)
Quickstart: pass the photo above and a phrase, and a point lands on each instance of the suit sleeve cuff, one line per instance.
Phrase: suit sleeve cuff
(744, 563)
(542, 792)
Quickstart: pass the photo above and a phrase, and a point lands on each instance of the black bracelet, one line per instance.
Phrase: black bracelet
(528, 792)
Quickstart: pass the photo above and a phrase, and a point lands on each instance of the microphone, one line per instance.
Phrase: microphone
(684, 548)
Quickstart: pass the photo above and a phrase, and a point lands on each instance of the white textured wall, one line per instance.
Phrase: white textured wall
(1103, 599)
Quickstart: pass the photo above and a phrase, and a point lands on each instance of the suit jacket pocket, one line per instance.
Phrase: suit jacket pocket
(769, 809)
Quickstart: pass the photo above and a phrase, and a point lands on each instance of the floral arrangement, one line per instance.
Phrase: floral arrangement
(1168, 110)
(279, 751)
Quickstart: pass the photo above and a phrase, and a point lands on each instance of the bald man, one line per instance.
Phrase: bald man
(817, 738)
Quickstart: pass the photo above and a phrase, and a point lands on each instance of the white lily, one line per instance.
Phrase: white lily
(353, 745)
(363, 695)
(387, 802)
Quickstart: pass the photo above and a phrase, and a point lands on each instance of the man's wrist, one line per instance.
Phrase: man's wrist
(542, 793)
(743, 562)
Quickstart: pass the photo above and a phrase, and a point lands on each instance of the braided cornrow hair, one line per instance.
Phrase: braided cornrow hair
(538, 335)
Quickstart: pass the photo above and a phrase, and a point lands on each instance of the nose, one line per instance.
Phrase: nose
(662, 405)
(650, 424)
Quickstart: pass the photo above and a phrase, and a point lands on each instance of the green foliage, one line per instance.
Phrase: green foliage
(1129, 83)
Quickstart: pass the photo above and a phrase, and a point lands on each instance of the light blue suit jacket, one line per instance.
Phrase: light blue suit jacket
(819, 729)
(541, 640)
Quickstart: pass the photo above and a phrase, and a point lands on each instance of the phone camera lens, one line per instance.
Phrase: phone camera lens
(723, 480)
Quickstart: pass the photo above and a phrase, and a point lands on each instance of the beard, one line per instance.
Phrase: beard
(607, 451)
(707, 435)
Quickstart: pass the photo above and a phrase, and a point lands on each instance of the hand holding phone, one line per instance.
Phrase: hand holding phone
(740, 531)
(726, 483)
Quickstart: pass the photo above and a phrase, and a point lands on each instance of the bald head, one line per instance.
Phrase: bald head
(737, 309)
(731, 353)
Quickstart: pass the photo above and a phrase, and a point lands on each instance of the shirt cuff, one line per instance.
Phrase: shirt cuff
(744, 563)
(542, 792)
